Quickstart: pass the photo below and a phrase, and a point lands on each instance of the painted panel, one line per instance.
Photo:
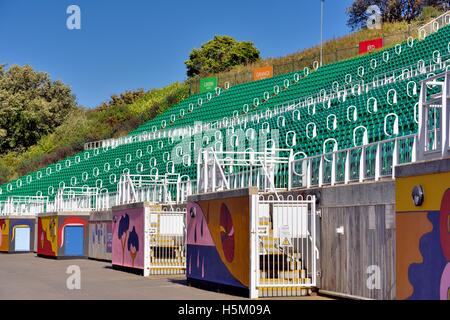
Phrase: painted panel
(218, 241)
(48, 236)
(74, 241)
(71, 221)
(100, 240)
(4, 235)
(423, 239)
(128, 238)
(16, 224)
(22, 237)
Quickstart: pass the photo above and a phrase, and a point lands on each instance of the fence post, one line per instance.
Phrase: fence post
(333, 169)
(347, 168)
(321, 171)
(378, 162)
(254, 247)
(362, 164)
(394, 157)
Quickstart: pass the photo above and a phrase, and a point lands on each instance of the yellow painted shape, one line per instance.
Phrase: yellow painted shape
(434, 186)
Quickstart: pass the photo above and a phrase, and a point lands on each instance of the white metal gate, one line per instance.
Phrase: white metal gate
(165, 250)
(285, 245)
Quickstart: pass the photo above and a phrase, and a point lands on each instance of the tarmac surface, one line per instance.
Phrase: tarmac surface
(25, 276)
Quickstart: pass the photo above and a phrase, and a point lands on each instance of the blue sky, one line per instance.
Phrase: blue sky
(132, 44)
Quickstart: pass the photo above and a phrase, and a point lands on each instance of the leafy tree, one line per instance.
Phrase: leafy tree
(125, 98)
(391, 10)
(31, 106)
(220, 54)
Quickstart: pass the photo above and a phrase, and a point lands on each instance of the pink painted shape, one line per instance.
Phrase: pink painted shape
(445, 282)
(194, 225)
(137, 220)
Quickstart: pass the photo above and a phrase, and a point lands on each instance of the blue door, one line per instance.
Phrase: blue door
(22, 239)
(74, 241)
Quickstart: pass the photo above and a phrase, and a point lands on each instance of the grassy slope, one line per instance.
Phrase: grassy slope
(90, 125)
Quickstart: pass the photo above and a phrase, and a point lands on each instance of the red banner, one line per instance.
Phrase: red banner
(370, 45)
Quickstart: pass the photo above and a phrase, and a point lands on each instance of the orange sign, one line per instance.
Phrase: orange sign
(263, 73)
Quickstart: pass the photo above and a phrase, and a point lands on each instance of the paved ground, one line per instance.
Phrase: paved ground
(24, 276)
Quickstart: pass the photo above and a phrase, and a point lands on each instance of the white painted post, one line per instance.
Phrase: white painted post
(347, 168)
(290, 172)
(254, 246)
(304, 172)
(205, 171)
(313, 231)
(362, 164)
(308, 174)
(321, 171)
(378, 162)
(421, 141)
(414, 150)
(394, 157)
(333, 169)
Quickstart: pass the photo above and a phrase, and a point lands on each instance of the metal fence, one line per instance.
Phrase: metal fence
(285, 244)
(434, 25)
(165, 250)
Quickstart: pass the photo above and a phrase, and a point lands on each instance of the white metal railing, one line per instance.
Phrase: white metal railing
(222, 170)
(168, 188)
(24, 205)
(434, 25)
(434, 117)
(106, 200)
(371, 161)
(285, 244)
(76, 199)
(165, 250)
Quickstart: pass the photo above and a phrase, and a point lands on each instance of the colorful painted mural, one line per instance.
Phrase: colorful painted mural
(100, 240)
(217, 234)
(128, 238)
(47, 236)
(423, 239)
(55, 229)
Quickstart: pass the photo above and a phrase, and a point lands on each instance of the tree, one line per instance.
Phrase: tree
(31, 106)
(391, 10)
(220, 54)
(123, 99)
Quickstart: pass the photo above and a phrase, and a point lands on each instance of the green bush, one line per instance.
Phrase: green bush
(112, 119)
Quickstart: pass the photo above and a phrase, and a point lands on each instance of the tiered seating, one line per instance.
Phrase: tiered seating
(312, 125)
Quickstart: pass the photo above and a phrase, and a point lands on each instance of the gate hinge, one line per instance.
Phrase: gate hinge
(319, 213)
